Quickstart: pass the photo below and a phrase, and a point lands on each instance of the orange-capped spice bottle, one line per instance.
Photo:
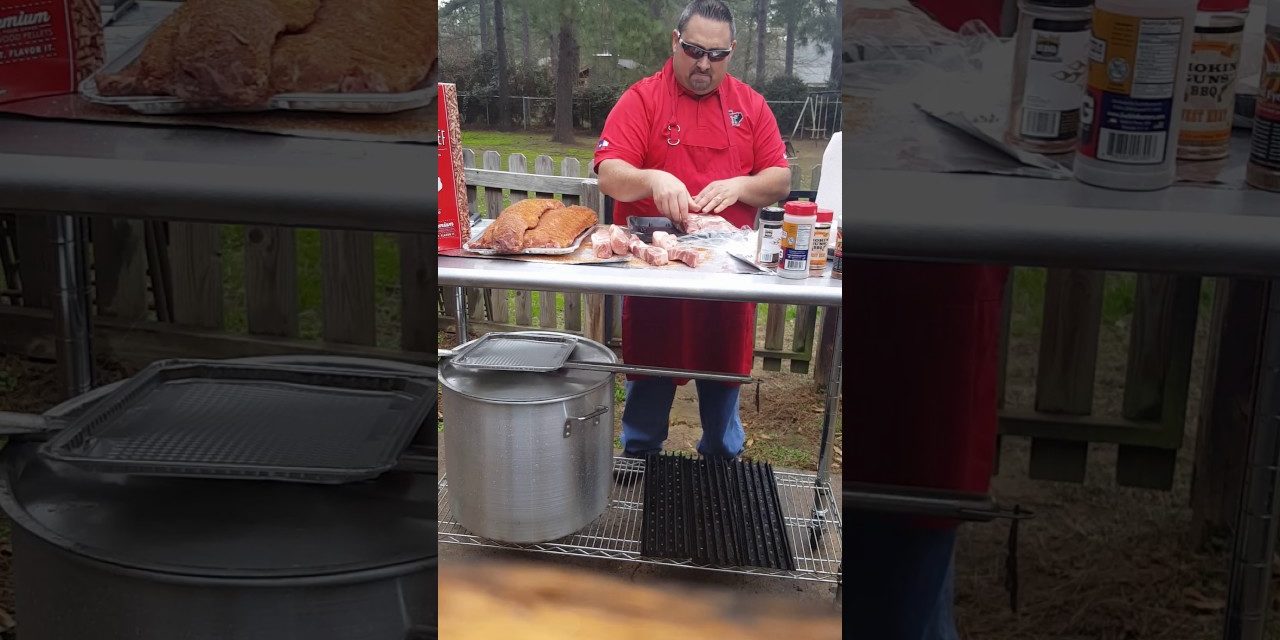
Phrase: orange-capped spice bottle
(798, 221)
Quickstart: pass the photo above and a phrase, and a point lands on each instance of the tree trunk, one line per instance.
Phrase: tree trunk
(484, 25)
(791, 45)
(553, 53)
(655, 9)
(504, 91)
(524, 35)
(566, 78)
(837, 46)
(762, 19)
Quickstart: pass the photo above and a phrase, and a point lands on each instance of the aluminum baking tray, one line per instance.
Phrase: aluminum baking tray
(371, 103)
(506, 352)
(203, 418)
(577, 244)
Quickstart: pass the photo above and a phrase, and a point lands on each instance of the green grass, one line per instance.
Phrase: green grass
(781, 455)
(1118, 300)
(531, 145)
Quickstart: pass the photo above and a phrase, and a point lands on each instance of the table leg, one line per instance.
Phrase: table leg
(460, 311)
(832, 406)
(73, 344)
(1248, 598)
(832, 398)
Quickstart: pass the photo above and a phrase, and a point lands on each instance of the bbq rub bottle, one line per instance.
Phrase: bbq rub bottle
(1134, 93)
(1048, 74)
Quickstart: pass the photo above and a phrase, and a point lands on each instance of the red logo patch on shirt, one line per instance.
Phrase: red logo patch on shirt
(735, 117)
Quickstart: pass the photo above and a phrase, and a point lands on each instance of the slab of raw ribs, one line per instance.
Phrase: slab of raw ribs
(379, 46)
(536, 224)
(558, 228)
(239, 53)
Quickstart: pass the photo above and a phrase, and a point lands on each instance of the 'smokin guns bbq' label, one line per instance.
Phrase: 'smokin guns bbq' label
(1211, 77)
(1266, 123)
(1127, 113)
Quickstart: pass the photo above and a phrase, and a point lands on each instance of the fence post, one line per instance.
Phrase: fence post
(499, 307)
(516, 163)
(1162, 340)
(1068, 358)
(271, 281)
(195, 257)
(35, 259)
(120, 268)
(572, 301)
(544, 165)
(346, 265)
(1226, 410)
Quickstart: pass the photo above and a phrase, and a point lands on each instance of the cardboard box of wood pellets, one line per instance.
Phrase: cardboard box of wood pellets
(48, 46)
(454, 226)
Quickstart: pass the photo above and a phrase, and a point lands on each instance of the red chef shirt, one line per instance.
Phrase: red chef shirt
(952, 13)
(727, 133)
(733, 124)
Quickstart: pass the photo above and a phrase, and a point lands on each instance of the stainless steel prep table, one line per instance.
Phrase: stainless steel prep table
(611, 280)
(214, 175)
(65, 169)
(1185, 229)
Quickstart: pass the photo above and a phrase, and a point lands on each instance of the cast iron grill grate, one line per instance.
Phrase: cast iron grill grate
(714, 512)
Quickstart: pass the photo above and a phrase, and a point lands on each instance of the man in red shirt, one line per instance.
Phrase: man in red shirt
(690, 138)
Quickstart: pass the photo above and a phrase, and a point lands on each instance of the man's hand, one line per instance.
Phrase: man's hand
(670, 196)
(719, 195)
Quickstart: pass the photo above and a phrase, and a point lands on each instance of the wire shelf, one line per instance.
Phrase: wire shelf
(813, 534)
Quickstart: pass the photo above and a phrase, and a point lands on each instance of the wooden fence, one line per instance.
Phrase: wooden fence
(159, 291)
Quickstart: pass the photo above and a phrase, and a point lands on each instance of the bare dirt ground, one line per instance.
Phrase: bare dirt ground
(1098, 562)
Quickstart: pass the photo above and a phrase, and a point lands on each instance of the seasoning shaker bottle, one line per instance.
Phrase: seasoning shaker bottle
(1134, 92)
(821, 240)
(1050, 59)
(837, 260)
(798, 221)
(1209, 111)
(769, 235)
(1264, 157)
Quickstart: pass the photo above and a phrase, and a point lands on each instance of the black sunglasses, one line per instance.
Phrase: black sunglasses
(696, 52)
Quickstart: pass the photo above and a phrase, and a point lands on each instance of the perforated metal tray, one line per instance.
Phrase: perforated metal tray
(197, 418)
(506, 352)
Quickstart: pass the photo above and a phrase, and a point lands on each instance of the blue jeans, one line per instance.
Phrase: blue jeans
(646, 417)
(901, 581)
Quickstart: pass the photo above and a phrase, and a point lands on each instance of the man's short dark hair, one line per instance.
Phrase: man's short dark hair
(711, 10)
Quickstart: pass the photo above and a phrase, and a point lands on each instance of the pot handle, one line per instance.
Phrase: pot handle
(594, 415)
(27, 424)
